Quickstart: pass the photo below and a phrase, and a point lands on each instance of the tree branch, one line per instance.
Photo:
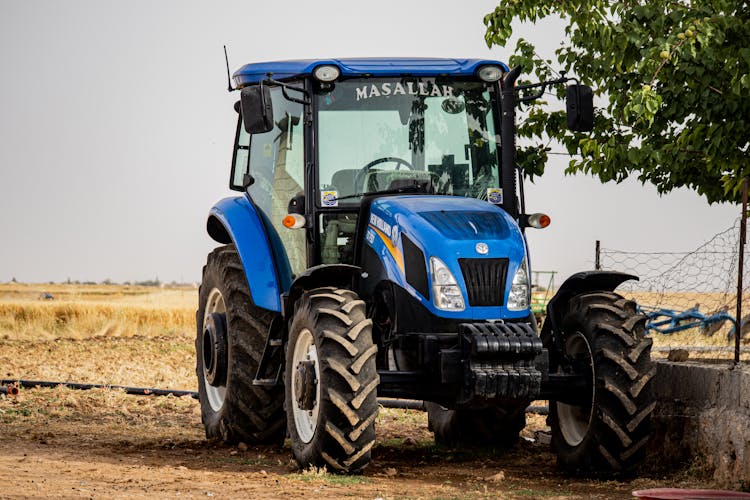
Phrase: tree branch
(664, 61)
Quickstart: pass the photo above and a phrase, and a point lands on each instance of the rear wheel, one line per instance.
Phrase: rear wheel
(603, 338)
(230, 340)
(498, 427)
(331, 381)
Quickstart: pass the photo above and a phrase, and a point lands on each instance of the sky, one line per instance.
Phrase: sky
(116, 131)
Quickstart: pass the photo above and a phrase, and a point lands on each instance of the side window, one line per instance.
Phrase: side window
(240, 157)
(277, 164)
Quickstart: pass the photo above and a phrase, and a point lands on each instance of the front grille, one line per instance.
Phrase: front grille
(485, 280)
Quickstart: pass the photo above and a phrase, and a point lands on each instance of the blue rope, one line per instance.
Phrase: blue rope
(668, 321)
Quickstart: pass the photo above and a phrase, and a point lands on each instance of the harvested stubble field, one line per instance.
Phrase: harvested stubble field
(65, 443)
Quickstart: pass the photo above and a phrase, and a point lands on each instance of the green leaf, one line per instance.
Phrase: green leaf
(689, 129)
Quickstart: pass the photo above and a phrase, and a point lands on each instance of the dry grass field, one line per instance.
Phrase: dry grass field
(65, 443)
(98, 311)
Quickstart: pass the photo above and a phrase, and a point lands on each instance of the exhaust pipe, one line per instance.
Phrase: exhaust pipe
(508, 141)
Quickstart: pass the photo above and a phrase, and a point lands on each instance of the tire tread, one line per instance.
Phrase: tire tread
(346, 419)
(620, 428)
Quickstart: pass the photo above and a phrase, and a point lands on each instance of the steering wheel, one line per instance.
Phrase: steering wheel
(364, 170)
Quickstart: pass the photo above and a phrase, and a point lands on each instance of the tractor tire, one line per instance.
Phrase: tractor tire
(331, 381)
(490, 427)
(605, 335)
(229, 344)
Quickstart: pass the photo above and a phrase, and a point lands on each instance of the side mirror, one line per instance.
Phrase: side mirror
(297, 204)
(579, 101)
(257, 111)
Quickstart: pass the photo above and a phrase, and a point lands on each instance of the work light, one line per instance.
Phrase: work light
(490, 73)
(326, 73)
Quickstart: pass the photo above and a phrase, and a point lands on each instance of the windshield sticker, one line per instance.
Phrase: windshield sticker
(329, 198)
(495, 195)
(410, 88)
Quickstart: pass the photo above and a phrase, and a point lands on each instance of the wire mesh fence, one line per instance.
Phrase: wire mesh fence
(690, 298)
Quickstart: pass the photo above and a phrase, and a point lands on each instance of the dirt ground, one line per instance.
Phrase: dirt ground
(63, 443)
(66, 443)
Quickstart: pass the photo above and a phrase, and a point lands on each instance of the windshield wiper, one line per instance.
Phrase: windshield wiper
(409, 188)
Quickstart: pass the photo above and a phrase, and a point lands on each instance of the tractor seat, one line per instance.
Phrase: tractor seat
(343, 181)
(394, 179)
(425, 184)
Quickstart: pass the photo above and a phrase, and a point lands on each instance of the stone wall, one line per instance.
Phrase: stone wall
(704, 412)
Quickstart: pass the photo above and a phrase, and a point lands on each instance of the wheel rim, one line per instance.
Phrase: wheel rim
(305, 421)
(214, 393)
(575, 421)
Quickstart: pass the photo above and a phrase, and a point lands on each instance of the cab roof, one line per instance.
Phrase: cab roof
(255, 72)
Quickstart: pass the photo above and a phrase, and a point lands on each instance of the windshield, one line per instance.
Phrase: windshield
(435, 135)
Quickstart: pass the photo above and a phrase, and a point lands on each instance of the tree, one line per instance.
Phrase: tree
(674, 80)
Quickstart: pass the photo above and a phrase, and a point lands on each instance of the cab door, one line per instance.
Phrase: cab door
(276, 161)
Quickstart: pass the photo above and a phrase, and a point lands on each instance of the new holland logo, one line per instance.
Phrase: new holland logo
(482, 248)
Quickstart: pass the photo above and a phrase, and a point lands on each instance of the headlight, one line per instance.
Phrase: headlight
(445, 291)
(518, 298)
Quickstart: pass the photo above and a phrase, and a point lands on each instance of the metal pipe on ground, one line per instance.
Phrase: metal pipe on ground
(10, 390)
(9, 385)
(137, 391)
(415, 404)
(538, 409)
(405, 404)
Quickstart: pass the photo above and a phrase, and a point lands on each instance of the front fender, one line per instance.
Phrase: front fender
(236, 220)
(342, 275)
(589, 281)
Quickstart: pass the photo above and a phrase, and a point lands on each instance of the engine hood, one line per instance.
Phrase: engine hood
(452, 218)
(411, 229)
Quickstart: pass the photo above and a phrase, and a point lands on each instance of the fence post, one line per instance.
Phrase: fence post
(597, 262)
(740, 270)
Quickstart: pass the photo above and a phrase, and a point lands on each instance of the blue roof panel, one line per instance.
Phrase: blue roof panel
(255, 72)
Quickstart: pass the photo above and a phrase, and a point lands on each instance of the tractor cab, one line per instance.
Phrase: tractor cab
(336, 138)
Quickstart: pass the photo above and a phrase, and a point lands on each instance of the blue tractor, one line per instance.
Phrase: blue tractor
(378, 250)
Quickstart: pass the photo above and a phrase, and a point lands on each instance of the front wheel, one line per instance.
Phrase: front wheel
(603, 337)
(331, 381)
